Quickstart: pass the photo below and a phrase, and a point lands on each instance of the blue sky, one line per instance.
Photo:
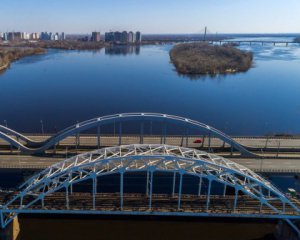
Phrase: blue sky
(151, 16)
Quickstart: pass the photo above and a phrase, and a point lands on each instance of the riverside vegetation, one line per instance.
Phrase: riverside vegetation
(203, 58)
(16, 50)
(9, 54)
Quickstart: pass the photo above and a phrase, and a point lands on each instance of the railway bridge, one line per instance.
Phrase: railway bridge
(149, 179)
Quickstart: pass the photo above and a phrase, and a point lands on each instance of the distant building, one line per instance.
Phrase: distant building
(138, 37)
(130, 37)
(14, 36)
(117, 37)
(96, 37)
(63, 36)
(109, 37)
(56, 37)
(5, 36)
(124, 37)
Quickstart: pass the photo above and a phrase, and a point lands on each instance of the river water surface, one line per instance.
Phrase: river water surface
(62, 87)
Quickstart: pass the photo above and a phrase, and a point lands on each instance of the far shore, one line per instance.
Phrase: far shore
(10, 54)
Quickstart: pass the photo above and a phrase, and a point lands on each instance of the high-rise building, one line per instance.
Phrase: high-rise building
(117, 37)
(138, 37)
(124, 37)
(56, 37)
(96, 37)
(130, 37)
(5, 36)
(63, 36)
(109, 37)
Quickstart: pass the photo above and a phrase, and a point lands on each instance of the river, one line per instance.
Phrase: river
(62, 87)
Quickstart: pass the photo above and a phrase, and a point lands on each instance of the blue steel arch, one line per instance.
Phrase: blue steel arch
(150, 159)
(39, 147)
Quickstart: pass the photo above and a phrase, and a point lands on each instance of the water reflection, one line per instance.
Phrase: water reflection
(123, 50)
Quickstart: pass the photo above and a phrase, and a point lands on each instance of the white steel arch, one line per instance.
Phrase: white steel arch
(150, 159)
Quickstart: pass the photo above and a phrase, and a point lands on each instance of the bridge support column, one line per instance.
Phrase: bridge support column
(151, 189)
(180, 190)
(225, 187)
(235, 199)
(94, 191)
(165, 132)
(200, 187)
(121, 190)
(147, 184)
(209, 142)
(208, 194)
(142, 133)
(67, 198)
(98, 137)
(187, 138)
(120, 133)
(174, 184)
(12, 231)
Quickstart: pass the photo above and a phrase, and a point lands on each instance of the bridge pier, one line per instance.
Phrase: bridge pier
(12, 231)
(285, 231)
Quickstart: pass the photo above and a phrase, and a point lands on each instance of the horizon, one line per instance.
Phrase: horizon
(155, 17)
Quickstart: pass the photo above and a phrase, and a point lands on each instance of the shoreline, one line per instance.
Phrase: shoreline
(11, 54)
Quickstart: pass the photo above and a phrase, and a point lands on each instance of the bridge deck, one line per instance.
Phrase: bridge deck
(160, 203)
(258, 165)
(111, 140)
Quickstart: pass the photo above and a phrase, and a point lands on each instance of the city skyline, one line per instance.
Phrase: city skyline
(155, 17)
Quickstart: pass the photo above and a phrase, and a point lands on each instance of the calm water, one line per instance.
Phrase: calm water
(63, 87)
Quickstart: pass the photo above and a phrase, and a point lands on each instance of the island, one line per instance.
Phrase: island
(297, 40)
(9, 54)
(204, 58)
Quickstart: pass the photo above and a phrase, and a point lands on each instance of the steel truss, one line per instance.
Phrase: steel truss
(149, 159)
(33, 147)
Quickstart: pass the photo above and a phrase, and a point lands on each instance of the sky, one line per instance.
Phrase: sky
(151, 16)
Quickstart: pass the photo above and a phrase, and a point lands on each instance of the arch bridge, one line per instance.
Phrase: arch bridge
(26, 145)
(148, 179)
